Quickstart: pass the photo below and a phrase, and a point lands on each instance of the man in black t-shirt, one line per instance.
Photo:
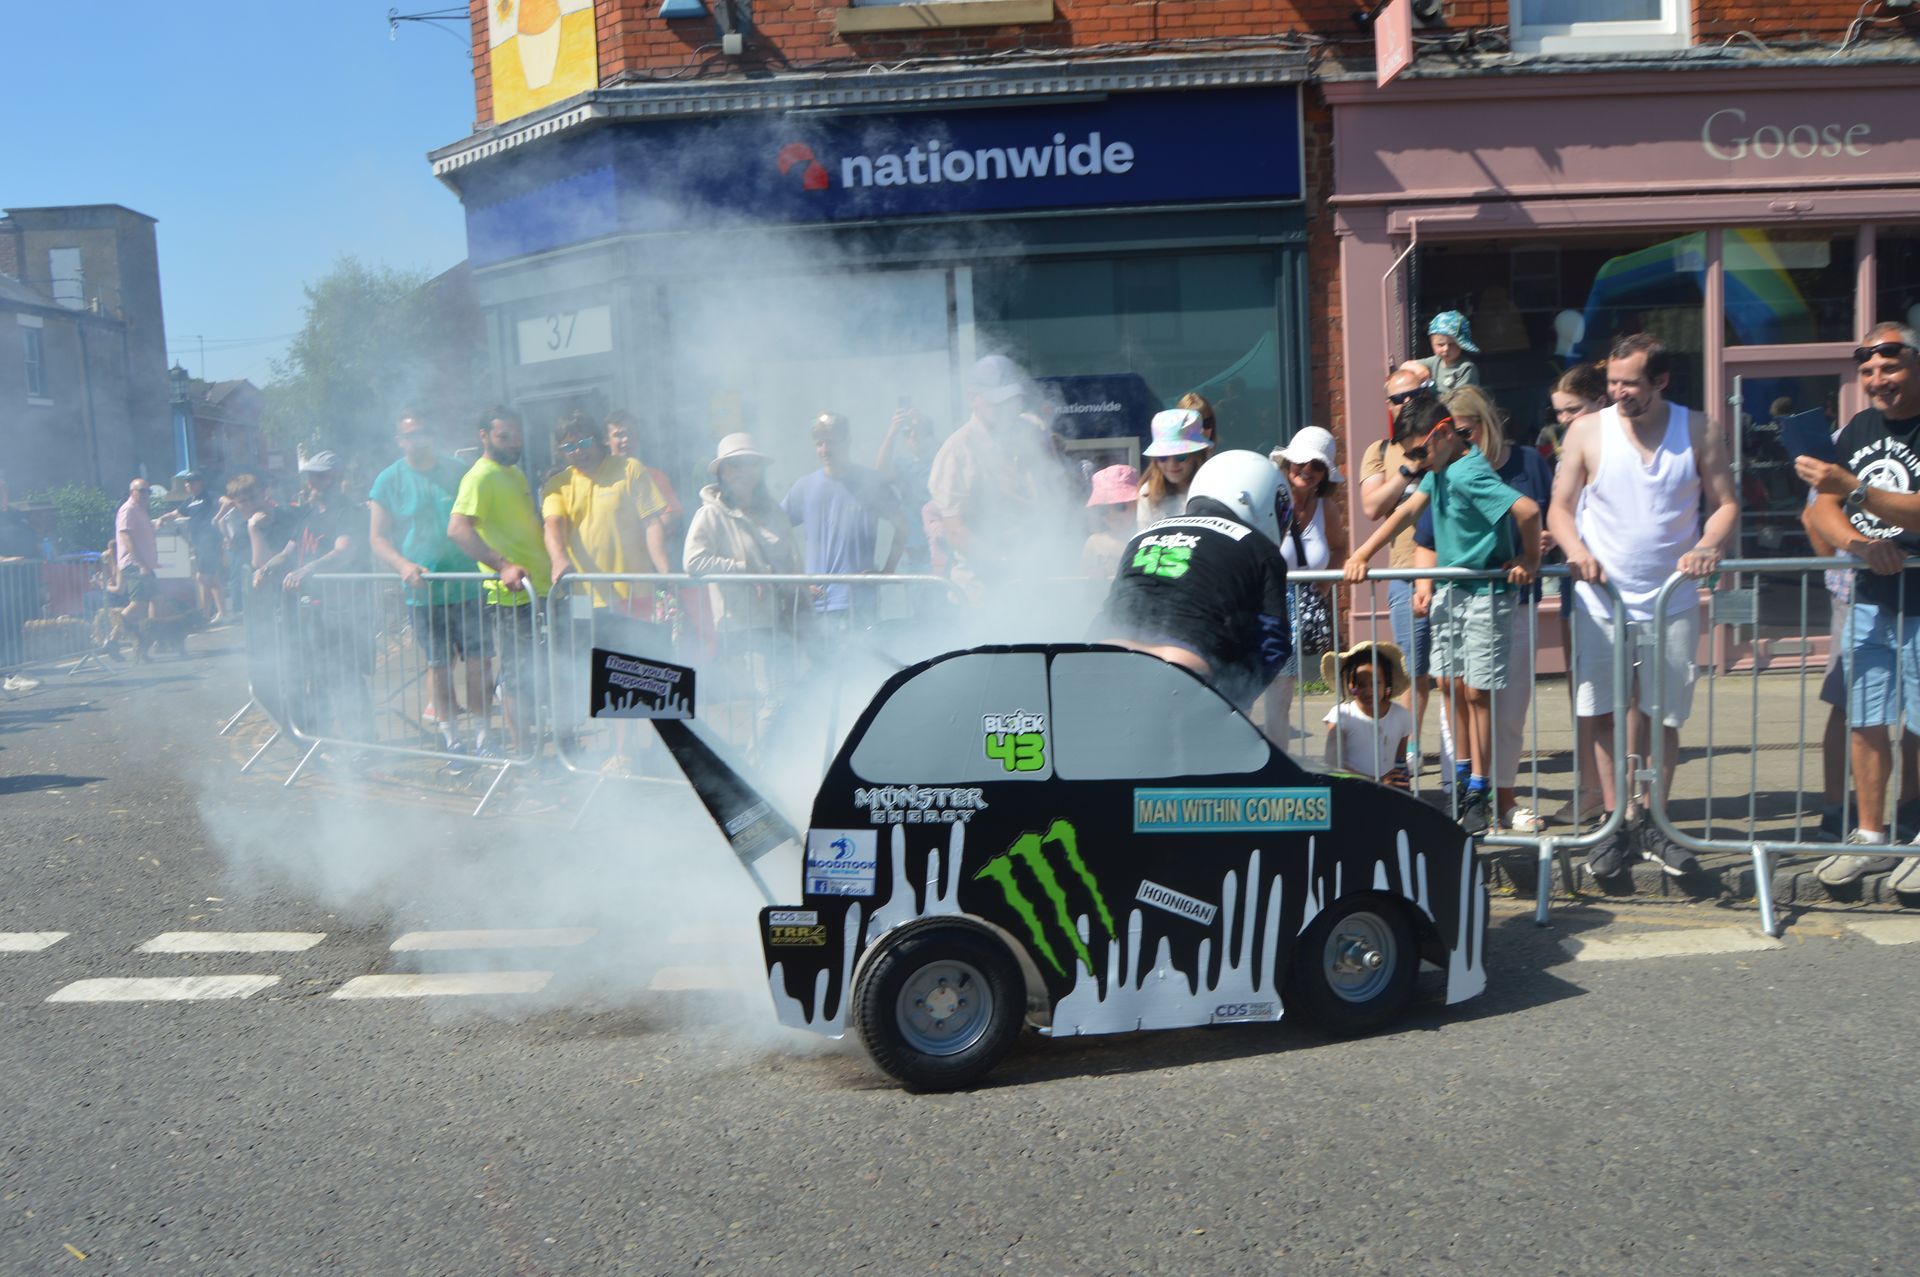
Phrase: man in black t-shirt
(1207, 590)
(1868, 505)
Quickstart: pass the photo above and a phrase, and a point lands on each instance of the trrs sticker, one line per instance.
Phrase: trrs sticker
(1212, 811)
(1243, 1012)
(804, 937)
(841, 862)
(1152, 893)
(919, 804)
(1016, 741)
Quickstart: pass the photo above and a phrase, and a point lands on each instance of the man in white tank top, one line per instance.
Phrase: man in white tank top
(1627, 503)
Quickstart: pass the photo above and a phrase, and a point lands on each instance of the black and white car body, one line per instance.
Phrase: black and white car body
(1088, 839)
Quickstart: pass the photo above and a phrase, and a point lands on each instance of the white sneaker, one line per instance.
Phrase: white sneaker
(1906, 879)
(1591, 806)
(1523, 820)
(1841, 871)
(20, 683)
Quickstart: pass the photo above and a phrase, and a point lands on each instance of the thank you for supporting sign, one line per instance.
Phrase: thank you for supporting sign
(636, 687)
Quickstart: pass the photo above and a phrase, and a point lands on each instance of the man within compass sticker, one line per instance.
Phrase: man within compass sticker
(1868, 505)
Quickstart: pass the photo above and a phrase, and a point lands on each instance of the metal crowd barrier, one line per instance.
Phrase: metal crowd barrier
(349, 658)
(46, 612)
(1511, 747)
(1740, 607)
(752, 638)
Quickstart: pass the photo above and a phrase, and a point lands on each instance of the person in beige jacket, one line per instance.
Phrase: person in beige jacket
(739, 528)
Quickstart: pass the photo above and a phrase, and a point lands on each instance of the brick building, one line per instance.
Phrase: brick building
(733, 212)
(83, 367)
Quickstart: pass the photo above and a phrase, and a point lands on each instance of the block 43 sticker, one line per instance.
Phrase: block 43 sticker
(1017, 741)
(842, 862)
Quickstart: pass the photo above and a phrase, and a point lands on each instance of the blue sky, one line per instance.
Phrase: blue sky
(269, 138)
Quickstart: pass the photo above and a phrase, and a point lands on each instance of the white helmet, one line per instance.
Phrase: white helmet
(1246, 483)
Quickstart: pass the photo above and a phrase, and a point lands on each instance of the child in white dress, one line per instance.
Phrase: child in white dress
(1367, 732)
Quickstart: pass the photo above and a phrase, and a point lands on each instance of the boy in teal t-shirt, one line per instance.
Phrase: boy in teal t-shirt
(1472, 640)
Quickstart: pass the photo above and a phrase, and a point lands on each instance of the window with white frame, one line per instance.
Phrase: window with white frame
(1598, 26)
(34, 338)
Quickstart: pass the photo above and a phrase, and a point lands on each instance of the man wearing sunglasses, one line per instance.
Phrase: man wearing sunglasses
(1388, 477)
(1471, 620)
(1868, 505)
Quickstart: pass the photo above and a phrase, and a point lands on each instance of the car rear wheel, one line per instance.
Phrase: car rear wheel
(940, 1007)
(1353, 970)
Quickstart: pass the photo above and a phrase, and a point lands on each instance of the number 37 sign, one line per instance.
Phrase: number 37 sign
(565, 334)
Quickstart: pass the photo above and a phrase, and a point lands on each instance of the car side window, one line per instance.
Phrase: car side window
(971, 719)
(1129, 716)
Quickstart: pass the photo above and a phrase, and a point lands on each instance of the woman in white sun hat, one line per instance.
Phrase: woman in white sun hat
(1308, 541)
(1179, 448)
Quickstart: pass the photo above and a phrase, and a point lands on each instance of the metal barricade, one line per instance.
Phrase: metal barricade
(1514, 710)
(1739, 609)
(46, 613)
(753, 638)
(365, 662)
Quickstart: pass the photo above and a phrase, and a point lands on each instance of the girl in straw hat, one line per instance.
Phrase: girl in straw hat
(1367, 732)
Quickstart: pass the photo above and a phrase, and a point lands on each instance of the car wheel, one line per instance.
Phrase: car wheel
(1353, 970)
(940, 1007)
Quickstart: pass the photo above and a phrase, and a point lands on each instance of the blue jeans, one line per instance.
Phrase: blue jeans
(1412, 634)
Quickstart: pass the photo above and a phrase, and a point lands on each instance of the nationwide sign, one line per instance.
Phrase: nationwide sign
(1188, 147)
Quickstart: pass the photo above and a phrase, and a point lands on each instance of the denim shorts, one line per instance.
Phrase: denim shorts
(1473, 635)
(1883, 666)
(1412, 634)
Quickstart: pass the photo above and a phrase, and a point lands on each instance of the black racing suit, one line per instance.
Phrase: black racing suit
(1211, 584)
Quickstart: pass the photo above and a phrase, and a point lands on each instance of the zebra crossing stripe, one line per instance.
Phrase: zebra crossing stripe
(1684, 942)
(233, 942)
(30, 941)
(533, 938)
(444, 984)
(191, 988)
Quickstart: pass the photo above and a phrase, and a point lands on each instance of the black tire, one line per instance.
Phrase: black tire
(940, 1007)
(1334, 982)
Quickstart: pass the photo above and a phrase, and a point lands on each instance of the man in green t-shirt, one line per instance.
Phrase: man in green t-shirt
(411, 502)
(1472, 641)
(494, 520)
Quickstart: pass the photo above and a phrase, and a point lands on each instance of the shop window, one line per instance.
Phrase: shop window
(1202, 321)
(1535, 310)
(1897, 296)
(1786, 286)
(1594, 26)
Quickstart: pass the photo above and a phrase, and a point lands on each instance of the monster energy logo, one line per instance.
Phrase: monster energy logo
(1030, 850)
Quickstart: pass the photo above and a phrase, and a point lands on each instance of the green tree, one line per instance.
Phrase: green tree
(83, 516)
(375, 342)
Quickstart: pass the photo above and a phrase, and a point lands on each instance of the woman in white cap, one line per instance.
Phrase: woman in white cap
(1308, 541)
(1178, 449)
(739, 528)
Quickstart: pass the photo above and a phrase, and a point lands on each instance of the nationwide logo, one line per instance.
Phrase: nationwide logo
(813, 174)
(1034, 857)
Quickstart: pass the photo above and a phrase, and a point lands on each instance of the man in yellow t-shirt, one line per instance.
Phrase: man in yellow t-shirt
(493, 520)
(602, 514)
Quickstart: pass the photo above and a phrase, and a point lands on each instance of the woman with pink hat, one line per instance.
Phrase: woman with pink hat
(1115, 490)
(1179, 448)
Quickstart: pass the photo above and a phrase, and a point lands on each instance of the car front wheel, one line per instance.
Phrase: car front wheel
(940, 1007)
(1353, 971)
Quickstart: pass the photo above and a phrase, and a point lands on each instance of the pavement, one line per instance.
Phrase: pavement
(374, 1035)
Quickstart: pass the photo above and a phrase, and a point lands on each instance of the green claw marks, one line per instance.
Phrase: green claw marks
(1031, 850)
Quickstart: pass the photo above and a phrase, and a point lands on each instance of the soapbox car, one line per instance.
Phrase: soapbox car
(1089, 840)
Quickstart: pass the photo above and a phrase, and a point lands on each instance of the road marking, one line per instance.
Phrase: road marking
(190, 988)
(682, 979)
(1886, 930)
(30, 941)
(1668, 944)
(233, 942)
(444, 984)
(537, 938)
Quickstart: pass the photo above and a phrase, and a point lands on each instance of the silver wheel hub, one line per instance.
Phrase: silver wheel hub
(944, 1008)
(1360, 958)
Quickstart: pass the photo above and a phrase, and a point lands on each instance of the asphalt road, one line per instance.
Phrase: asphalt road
(1710, 1112)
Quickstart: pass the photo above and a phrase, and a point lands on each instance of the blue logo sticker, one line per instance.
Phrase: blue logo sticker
(1224, 811)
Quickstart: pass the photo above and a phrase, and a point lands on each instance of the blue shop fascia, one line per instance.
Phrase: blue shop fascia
(743, 254)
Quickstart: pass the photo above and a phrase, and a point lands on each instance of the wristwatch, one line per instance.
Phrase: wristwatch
(1857, 499)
